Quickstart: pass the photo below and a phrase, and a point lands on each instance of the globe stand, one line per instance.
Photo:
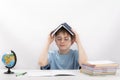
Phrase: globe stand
(9, 72)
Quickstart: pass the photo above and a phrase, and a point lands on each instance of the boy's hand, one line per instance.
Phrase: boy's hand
(77, 39)
(50, 38)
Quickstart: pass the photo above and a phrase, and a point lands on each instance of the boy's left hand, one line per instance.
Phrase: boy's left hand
(77, 39)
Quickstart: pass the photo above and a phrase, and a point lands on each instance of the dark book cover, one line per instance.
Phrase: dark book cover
(65, 26)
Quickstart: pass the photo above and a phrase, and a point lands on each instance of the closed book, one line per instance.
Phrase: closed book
(103, 63)
(98, 68)
(97, 72)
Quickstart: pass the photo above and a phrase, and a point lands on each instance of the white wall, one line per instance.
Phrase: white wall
(25, 24)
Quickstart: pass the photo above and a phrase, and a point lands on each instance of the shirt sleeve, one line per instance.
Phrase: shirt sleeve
(76, 56)
(50, 53)
(76, 59)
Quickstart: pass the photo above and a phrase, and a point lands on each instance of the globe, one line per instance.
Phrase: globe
(9, 60)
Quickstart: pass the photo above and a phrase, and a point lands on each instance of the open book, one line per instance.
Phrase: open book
(65, 26)
(50, 73)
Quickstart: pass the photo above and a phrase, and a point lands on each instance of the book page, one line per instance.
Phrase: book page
(50, 73)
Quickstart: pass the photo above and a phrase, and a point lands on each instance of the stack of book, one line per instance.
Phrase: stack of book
(100, 68)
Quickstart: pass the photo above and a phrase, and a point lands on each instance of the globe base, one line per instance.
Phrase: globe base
(9, 72)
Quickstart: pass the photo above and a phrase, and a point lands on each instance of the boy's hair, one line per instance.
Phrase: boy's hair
(63, 30)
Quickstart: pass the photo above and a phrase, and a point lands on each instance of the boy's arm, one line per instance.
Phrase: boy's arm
(82, 55)
(81, 52)
(43, 59)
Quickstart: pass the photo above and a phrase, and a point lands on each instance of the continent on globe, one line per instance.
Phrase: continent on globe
(8, 60)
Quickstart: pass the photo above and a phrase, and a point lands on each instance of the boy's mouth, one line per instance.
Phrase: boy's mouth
(62, 45)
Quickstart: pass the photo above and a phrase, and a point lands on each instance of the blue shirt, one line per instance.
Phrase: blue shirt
(63, 61)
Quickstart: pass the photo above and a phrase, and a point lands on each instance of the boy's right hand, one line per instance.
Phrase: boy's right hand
(50, 38)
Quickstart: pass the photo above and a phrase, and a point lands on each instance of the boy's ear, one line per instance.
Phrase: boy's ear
(73, 40)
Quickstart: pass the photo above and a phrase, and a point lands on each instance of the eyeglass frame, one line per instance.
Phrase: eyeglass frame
(66, 39)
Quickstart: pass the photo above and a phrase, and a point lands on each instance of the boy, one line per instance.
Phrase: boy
(64, 58)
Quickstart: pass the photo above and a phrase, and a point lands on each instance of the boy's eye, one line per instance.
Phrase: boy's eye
(66, 39)
(59, 39)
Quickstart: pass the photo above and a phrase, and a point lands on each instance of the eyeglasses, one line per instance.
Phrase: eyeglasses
(61, 39)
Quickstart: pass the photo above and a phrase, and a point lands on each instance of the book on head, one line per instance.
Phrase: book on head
(65, 26)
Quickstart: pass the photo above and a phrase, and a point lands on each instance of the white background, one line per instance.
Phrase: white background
(25, 24)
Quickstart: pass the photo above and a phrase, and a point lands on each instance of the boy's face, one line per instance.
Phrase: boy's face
(63, 41)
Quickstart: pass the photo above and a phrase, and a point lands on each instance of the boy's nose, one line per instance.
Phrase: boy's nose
(62, 40)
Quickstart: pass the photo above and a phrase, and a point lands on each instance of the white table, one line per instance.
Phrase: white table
(79, 76)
